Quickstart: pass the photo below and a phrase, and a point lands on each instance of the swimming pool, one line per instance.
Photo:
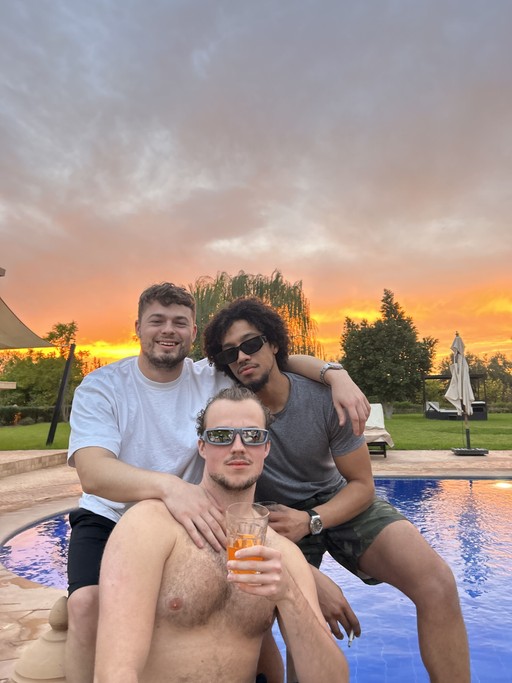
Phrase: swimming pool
(467, 521)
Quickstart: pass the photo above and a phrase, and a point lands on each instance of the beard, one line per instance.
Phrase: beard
(165, 362)
(258, 384)
(229, 486)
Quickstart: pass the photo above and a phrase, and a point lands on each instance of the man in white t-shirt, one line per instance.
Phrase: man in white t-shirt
(133, 438)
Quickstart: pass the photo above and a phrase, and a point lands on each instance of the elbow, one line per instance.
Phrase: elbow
(88, 485)
(87, 480)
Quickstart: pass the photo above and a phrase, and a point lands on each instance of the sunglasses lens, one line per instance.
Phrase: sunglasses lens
(220, 436)
(227, 357)
(250, 346)
(254, 436)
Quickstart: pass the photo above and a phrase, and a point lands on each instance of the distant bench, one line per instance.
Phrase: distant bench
(434, 412)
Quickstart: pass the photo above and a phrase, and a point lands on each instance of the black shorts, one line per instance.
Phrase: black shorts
(89, 535)
(348, 541)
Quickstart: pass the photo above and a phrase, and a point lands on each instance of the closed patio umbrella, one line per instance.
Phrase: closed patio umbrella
(460, 393)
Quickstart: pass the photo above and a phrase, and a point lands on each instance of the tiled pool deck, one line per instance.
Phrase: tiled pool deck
(38, 484)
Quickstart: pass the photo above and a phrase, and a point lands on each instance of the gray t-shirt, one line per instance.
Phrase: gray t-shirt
(305, 439)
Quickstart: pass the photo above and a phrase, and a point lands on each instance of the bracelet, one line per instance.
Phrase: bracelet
(329, 366)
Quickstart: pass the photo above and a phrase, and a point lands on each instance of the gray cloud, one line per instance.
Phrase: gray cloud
(354, 145)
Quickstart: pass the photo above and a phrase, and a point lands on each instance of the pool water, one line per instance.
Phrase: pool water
(467, 521)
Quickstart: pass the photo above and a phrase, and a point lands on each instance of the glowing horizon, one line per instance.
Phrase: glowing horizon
(330, 324)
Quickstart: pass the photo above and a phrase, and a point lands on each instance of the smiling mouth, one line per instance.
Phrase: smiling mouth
(167, 344)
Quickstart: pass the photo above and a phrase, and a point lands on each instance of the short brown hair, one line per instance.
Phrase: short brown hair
(166, 293)
(235, 393)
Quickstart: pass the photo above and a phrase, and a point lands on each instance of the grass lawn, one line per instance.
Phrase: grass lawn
(409, 432)
(415, 432)
(33, 437)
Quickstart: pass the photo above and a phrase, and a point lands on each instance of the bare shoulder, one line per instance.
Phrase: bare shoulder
(150, 519)
(289, 550)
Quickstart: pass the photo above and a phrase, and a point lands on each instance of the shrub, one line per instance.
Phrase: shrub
(11, 415)
(26, 421)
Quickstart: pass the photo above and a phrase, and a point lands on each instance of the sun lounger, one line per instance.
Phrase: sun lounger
(375, 433)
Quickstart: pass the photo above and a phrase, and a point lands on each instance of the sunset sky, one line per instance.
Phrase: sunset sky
(354, 145)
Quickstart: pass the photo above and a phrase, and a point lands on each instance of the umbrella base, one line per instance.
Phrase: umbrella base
(470, 451)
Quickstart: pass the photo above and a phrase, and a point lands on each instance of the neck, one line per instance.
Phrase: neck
(156, 374)
(223, 497)
(274, 395)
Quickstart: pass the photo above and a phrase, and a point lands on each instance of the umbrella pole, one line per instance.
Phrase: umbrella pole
(466, 427)
(468, 450)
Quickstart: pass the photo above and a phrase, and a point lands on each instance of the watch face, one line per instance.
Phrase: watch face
(316, 525)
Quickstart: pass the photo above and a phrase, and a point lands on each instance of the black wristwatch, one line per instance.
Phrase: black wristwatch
(315, 523)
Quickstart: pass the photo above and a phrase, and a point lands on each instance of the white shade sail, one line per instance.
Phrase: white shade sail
(16, 335)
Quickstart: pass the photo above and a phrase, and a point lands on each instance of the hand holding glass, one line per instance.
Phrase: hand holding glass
(246, 525)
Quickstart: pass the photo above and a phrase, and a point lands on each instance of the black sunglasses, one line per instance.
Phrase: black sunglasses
(224, 436)
(249, 347)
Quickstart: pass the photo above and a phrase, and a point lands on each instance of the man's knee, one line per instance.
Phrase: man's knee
(438, 589)
(83, 607)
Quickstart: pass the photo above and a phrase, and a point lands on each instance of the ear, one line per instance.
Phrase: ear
(194, 333)
(137, 328)
(200, 448)
(274, 347)
(267, 448)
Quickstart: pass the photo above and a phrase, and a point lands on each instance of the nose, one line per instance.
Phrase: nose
(242, 356)
(238, 444)
(168, 327)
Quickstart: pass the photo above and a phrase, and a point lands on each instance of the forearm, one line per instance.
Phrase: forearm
(114, 675)
(310, 367)
(316, 657)
(115, 480)
(350, 501)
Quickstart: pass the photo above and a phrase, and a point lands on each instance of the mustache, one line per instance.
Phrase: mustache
(238, 459)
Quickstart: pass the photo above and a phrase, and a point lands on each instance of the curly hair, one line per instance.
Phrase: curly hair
(166, 293)
(236, 393)
(264, 318)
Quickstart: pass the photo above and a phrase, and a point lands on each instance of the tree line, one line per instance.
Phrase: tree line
(386, 358)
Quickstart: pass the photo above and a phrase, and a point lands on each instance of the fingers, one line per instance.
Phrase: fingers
(358, 414)
(335, 628)
(260, 577)
(203, 526)
(199, 515)
(210, 530)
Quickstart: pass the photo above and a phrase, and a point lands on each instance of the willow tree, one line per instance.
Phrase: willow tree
(212, 294)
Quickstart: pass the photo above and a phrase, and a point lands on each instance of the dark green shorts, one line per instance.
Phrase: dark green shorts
(348, 541)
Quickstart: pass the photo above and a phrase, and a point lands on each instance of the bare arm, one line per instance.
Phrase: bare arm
(334, 605)
(102, 474)
(129, 586)
(350, 501)
(345, 393)
(316, 656)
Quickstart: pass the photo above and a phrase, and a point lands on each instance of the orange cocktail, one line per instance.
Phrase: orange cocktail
(246, 526)
(243, 541)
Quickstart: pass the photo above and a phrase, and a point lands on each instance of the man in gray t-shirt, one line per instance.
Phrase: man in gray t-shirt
(321, 475)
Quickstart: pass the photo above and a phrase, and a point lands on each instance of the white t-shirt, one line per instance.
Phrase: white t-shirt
(147, 424)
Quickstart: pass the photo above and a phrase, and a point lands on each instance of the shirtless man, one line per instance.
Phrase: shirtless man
(170, 611)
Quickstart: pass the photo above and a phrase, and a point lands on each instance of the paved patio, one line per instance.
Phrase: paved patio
(37, 484)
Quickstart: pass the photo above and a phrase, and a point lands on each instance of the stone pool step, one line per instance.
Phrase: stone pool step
(18, 462)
